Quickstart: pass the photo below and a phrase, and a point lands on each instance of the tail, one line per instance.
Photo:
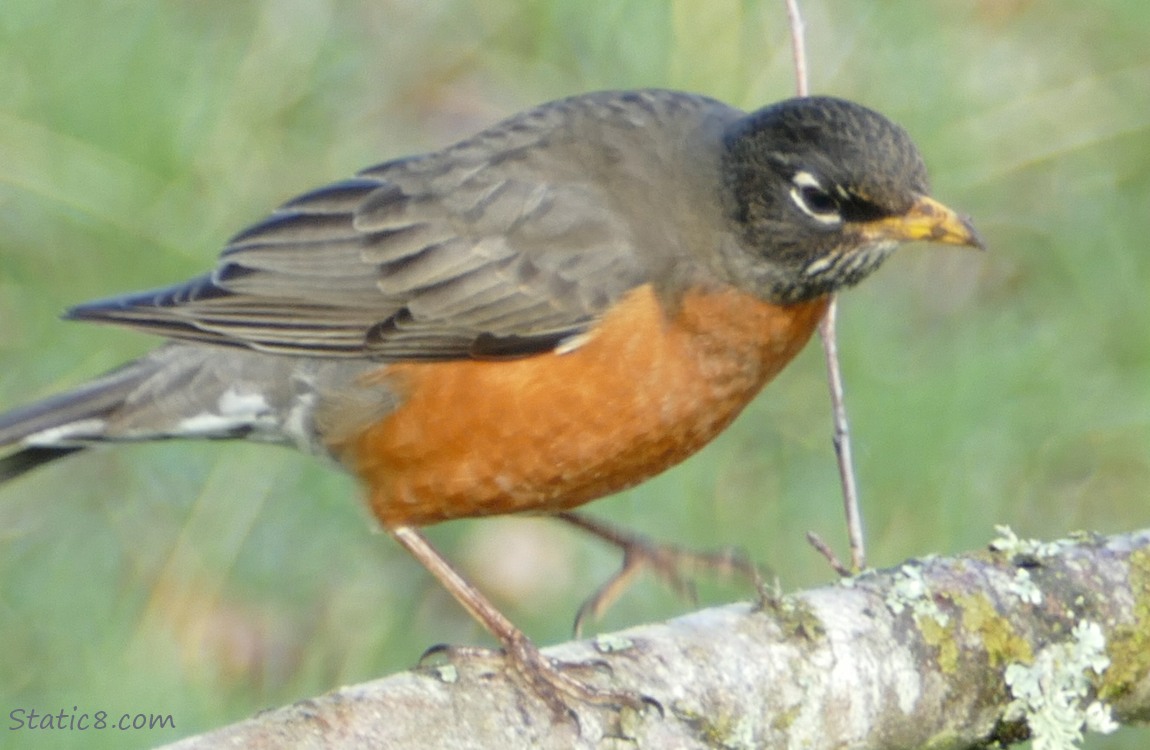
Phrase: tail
(64, 424)
(177, 391)
(29, 458)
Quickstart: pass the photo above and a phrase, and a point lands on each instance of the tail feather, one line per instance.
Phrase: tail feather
(92, 400)
(60, 425)
(30, 458)
(179, 391)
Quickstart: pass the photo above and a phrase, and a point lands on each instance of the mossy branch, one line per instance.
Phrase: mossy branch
(1048, 639)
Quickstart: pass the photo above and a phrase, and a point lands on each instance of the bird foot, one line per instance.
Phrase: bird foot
(675, 566)
(548, 679)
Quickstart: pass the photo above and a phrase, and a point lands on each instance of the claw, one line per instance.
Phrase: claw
(449, 653)
(550, 681)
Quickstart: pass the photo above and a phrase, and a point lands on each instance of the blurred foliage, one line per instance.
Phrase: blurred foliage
(209, 582)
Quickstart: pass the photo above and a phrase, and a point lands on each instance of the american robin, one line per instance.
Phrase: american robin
(553, 310)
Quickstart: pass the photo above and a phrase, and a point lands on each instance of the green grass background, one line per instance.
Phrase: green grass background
(209, 581)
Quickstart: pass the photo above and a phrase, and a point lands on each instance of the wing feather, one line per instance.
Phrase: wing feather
(503, 245)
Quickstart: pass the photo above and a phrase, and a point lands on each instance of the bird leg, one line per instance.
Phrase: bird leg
(676, 566)
(541, 675)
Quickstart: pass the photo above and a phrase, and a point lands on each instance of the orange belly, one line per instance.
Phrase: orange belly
(650, 387)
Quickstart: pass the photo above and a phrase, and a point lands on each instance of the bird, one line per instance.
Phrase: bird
(552, 310)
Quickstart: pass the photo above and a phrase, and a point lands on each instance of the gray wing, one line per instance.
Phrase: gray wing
(502, 245)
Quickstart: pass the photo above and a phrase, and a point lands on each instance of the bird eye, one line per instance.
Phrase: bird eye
(817, 200)
(814, 200)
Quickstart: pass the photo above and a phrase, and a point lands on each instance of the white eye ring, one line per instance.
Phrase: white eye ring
(814, 200)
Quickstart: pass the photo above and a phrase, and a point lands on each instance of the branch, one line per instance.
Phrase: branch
(953, 652)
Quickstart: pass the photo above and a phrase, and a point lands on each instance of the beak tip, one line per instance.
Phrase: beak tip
(974, 238)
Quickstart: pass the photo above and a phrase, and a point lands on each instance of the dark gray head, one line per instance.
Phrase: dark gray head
(821, 190)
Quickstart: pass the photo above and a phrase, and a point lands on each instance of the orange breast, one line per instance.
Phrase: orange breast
(545, 433)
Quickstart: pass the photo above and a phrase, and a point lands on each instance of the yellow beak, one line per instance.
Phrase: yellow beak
(926, 220)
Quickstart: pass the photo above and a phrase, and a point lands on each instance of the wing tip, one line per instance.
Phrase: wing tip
(130, 307)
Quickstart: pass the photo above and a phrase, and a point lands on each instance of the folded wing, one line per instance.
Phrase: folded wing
(503, 245)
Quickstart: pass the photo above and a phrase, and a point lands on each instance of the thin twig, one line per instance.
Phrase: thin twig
(825, 550)
(842, 437)
(798, 47)
(827, 333)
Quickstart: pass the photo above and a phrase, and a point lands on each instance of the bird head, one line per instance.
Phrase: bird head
(821, 190)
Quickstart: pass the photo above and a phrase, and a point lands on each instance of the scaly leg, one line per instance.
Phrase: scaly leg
(540, 673)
